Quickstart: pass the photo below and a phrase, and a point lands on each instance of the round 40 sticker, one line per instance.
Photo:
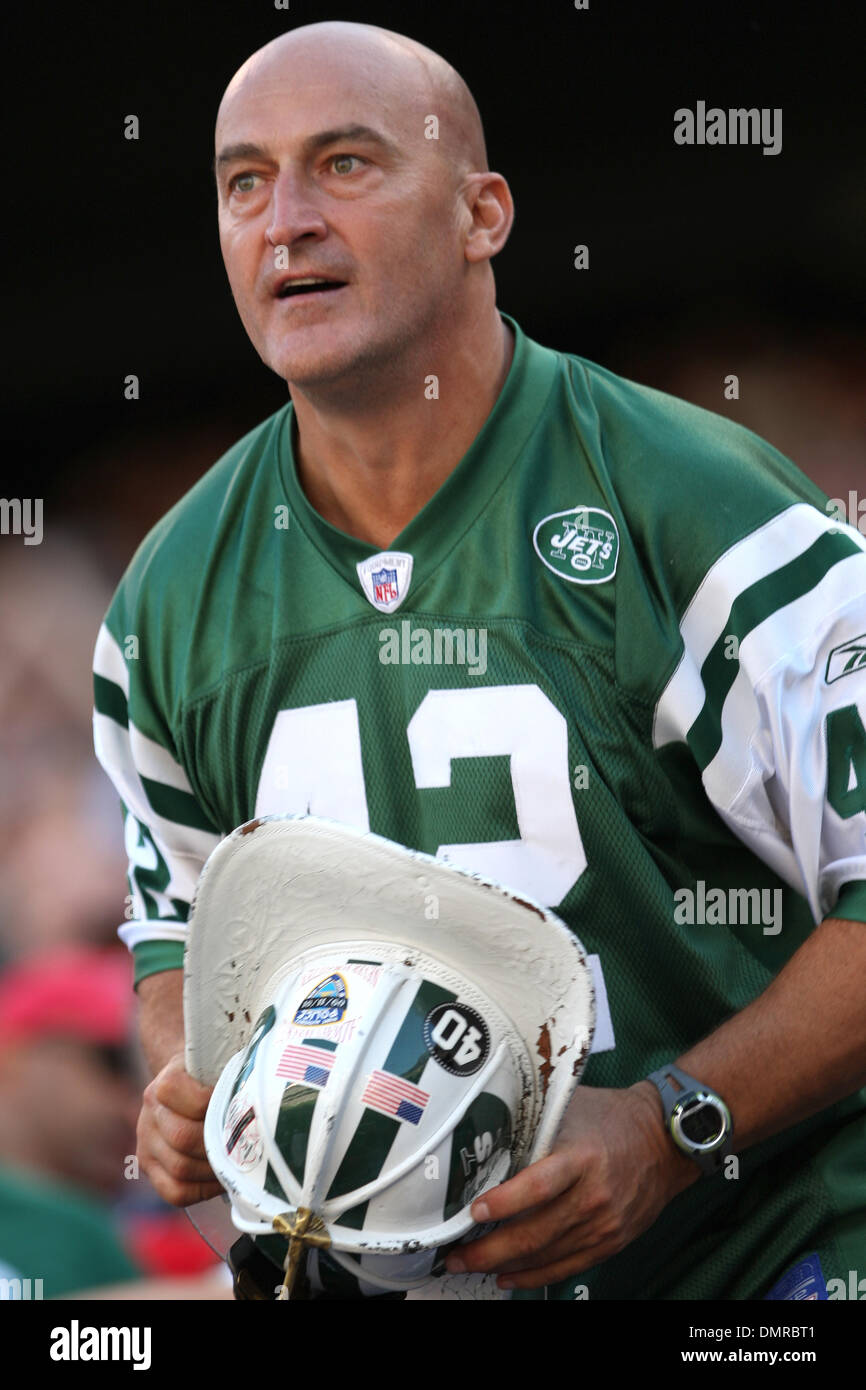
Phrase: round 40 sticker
(457, 1038)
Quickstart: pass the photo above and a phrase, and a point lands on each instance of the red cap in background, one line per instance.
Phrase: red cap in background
(81, 992)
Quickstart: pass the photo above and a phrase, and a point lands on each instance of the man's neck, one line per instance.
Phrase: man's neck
(370, 471)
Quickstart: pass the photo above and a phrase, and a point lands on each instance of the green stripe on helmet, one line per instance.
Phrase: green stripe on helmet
(367, 1151)
(409, 1056)
(292, 1133)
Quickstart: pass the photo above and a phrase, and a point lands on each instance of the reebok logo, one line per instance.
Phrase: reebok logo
(847, 659)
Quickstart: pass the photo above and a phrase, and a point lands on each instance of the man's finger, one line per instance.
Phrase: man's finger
(581, 1239)
(534, 1187)
(179, 1194)
(183, 1167)
(180, 1092)
(521, 1243)
(182, 1135)
(576, 1264)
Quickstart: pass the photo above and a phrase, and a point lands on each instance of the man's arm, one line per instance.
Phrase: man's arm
(793, 1051)
(160, 1017)
(171, 1124)
(168, 838)
(798, 1047)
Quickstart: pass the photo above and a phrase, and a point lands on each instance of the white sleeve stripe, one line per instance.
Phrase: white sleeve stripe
(755, 557)
(109, 662)
(155, 763)
(113, 750)
(801, 636)
(134, 933)
(150, 758)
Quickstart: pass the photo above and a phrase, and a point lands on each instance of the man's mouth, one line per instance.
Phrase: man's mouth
(308, 285)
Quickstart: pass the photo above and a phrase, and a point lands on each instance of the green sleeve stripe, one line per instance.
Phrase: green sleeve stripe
(178, 806)
(152, 957)
(110, 700)
(751, 608)
(851, 903)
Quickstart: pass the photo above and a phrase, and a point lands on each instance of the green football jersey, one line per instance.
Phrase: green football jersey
(57, 1239)
(617, 663)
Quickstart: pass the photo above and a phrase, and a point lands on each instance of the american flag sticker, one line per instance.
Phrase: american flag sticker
(311, 1065)
(391, 1095)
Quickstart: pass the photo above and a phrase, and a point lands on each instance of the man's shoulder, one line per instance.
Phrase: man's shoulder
(640, 423)
(677, 468)
(174, 552)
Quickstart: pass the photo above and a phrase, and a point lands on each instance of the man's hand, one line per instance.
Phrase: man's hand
(611, 1172)
(171, 1136)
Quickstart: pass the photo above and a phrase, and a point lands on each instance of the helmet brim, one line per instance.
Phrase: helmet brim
(282, 885)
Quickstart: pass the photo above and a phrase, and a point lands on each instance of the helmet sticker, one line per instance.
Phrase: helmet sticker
(457, 1038)
(326, 1003)
(241, 1134)
(306, 1063)
(394, 1095)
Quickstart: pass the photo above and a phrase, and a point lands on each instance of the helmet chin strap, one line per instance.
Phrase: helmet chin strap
(304, 1230)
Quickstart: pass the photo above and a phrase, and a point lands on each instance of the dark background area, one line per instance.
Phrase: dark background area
(113, 263)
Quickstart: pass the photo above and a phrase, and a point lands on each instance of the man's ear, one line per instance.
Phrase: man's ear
(491, 207)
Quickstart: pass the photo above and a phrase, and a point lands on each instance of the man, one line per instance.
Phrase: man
(624, 678)
(67, 1119)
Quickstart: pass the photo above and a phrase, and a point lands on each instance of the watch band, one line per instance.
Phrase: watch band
(682, 1098)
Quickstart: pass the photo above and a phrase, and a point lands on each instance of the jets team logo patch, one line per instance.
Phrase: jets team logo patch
(385, 579)
(845, 660)
(580, 545)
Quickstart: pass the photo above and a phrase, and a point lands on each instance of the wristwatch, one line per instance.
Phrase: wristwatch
(696, 1117)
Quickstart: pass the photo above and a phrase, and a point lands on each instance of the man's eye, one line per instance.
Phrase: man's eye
(344, 159)
(242, 183)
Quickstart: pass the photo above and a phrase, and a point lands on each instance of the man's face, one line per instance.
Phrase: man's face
(377, 209)
(78, 1110)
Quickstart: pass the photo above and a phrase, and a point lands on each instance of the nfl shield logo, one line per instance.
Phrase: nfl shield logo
(385, 579)
(385, 587)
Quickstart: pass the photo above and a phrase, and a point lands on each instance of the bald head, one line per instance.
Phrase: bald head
(409, 77)
(353, 160)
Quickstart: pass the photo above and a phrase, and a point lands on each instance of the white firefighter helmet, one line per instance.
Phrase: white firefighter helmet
(388, 1037)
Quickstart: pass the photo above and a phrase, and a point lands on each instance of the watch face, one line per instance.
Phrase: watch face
(701, 1122)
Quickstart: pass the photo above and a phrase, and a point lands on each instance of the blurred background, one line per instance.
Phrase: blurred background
(703, 262)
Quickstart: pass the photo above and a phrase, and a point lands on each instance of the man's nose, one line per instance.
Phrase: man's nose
(294, 210)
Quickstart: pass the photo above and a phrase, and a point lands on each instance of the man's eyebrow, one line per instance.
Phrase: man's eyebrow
(313, 143)
(242, 151)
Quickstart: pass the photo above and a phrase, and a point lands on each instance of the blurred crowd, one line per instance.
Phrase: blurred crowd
(75, 1212)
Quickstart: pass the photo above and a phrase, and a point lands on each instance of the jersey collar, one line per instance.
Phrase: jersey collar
(454, 508)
